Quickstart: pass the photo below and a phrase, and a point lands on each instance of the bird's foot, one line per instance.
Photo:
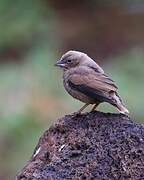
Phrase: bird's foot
(78, 113)
(93, 110)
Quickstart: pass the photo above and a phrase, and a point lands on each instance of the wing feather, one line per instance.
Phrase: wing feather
(94, 85)
(95, 81)
(94, 94)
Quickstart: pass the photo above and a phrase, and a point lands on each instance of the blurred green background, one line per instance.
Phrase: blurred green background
(33, 35)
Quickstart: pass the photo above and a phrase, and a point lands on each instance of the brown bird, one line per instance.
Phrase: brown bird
(86, 81)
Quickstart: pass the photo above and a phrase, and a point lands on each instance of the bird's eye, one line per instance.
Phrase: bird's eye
(69, 61)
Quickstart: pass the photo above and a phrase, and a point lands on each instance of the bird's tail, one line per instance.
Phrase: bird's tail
(120, 106)
(122, 109)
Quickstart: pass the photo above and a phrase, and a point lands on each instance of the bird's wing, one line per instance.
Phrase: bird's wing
(97, 86)
(107, 83)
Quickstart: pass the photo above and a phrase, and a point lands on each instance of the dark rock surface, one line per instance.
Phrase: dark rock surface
(94, 145)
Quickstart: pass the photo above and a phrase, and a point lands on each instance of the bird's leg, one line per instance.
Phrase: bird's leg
(94, 107)
(82, 108)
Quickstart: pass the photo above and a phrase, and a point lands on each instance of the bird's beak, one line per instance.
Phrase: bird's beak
(60, 64)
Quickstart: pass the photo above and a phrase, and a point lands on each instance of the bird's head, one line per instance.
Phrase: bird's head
(72, 59)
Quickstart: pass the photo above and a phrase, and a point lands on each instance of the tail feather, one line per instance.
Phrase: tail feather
(122, 109)
(119, 104)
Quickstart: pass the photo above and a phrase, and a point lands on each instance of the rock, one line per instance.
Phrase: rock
(89, 146)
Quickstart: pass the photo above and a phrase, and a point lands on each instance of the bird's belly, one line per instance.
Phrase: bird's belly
(78, 95)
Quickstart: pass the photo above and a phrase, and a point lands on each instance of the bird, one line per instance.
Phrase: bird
(86, 81)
